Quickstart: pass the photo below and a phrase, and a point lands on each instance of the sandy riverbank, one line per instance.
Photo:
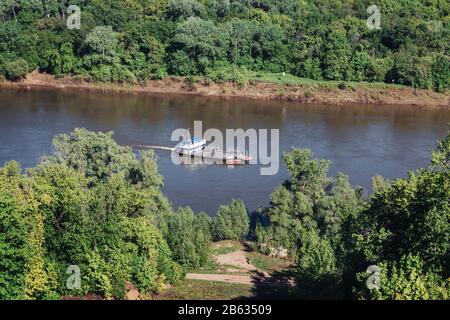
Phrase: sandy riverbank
(302, 93)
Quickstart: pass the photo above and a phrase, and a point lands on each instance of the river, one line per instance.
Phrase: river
(360, 140)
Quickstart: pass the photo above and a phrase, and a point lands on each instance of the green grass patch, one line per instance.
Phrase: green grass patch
(266, 263)
(323, 84)
(225, 250)
(210, 267)
(249, 76)
(277, 78)
(206, 290)
(224, 247)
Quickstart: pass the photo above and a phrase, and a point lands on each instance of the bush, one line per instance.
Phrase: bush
(115, 73)
(159, 74)
(190, 82)
(16, 70)
(342, 86)
(231, 222)
(2, 65)
(378, 69)
(227, 73)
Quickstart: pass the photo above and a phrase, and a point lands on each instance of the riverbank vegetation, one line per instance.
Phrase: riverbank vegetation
(97, 207)
(229, 40)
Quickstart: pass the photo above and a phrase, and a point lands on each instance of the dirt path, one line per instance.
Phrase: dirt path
(240, 263)
(236, 259)
(221, 277)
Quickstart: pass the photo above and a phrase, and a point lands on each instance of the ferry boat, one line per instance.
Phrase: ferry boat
(197, 148)
(189, 148)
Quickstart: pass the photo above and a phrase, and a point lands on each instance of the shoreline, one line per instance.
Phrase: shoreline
(314, 93)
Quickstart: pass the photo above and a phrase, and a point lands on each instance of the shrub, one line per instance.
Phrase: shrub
(159, 74)
(16, 70)
(190, 81)
(227, 73)
(308, 94)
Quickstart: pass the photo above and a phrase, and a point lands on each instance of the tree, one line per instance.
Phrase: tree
(440, 70)
(312, 216)
(269, 49)
(25, 272)
(405, 280)
(189, 237)
(184, 9)
(14, 228)
(102, 40)
(241, 33)
(68, 59)
(98, 156)
(281, 224)
(315, 256)
(405, 230)
(337, 54)
(317, 275)
(104, 60)
(91, 204)
(310, 68)
(411, 216)
(231, 222)
(411, 69)
(379, 183)
(143, 54)
(200, 41)
(308, 176)
(117, 14)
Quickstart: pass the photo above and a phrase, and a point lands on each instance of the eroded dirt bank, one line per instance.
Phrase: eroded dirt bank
(302, 93)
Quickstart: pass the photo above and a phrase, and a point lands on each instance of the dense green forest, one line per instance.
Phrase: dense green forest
(98, 206)
(222, 40)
